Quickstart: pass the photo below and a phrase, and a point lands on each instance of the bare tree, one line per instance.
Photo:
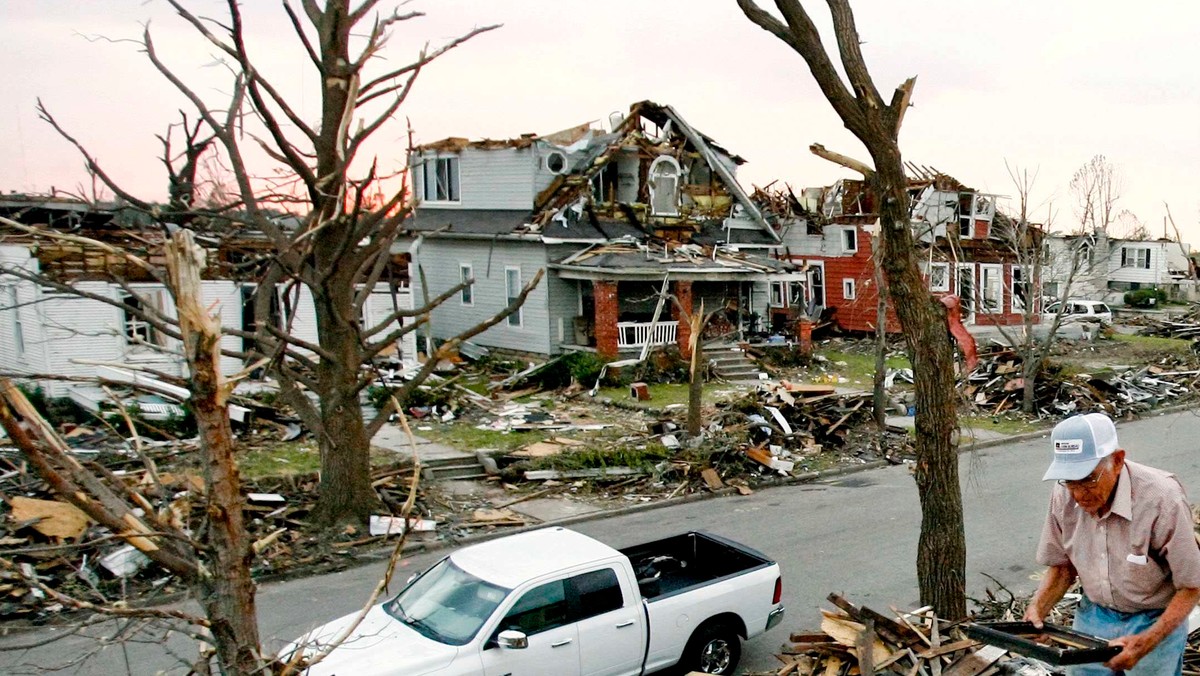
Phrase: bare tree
(1035, 259)
(350, 213)
(1183, 248)
(941, 551)
(1096, 187)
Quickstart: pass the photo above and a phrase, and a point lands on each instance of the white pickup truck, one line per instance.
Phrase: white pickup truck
(554, 602)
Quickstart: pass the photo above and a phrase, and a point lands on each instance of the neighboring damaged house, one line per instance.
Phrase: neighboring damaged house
(966, 249)
(1107, 267)
(44, 330)
(611, 216)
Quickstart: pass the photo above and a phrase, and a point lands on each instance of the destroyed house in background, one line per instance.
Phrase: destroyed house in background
(46, 330)
(967, 249)
(611, 216)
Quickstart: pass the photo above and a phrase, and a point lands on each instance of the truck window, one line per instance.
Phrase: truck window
(541, 608)
(598, 592)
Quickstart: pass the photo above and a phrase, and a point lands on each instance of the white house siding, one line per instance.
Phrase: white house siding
(1156, 274)
(493, 179)
(441, 257)
(77, 327)
(12, 358)
(380, 306)
(225, 297)
(562, 301)
(542, 176)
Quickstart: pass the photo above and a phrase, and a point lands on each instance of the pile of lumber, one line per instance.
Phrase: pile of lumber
(859, 640)
(810, 417)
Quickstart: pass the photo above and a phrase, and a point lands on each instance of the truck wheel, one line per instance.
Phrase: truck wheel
(713, 649)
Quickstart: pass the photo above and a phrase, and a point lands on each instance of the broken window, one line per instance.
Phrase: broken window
(466, 296)
(437, 178)
(850, 240)
(849, 291)
(556, 162)
(1018, 289)
(1135, 257)
(992, 281)
(816, 286)
(939, 277)
(777, 294)
(137, 330)
(512, 283)
(664, 186)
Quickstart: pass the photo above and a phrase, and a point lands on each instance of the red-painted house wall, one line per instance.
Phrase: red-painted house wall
(859, 314)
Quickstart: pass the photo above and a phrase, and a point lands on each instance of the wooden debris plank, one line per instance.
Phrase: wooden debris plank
(976, 662)
(712, 478)
(947, 648)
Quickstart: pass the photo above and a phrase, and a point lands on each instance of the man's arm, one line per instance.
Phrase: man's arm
(1137, 646)
(1055, 583)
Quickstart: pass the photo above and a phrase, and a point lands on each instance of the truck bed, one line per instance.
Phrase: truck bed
(676, 564)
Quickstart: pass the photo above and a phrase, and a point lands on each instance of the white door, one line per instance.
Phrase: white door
(544, 616)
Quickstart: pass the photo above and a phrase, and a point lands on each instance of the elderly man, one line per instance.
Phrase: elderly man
(1125, 530)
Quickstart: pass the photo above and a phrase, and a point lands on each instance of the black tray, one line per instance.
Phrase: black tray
(1066, 646)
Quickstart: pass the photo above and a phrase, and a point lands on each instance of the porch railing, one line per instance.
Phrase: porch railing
(637, 334)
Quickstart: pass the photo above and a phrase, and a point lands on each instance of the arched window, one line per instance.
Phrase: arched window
(664, 186)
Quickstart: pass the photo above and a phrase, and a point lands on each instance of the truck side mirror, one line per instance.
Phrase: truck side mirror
(513, 639)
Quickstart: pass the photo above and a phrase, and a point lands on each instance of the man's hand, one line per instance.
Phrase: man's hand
(1033, 615)
(1134, 648)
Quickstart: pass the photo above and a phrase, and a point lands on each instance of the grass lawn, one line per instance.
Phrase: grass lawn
(860, 368)
(1153, 346)
(467, 437)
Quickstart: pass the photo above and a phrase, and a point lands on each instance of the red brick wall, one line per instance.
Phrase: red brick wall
(683, 334)
(605, 294)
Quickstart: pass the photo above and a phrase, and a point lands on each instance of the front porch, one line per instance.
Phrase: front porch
(626, 317)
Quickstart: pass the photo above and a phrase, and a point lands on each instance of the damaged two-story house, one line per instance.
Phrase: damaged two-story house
(46, 329)
(613, 216)
(967, 249)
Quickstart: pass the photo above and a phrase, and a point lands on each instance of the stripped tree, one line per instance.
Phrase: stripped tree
(349, 215)
(941, 551)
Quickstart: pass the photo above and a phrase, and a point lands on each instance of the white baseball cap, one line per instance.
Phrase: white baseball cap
(1080, 443)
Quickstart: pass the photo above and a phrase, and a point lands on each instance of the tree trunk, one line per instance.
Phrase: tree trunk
(223, 586)
(879, 400)
(346, 495)
(695, 381)
(941, 551)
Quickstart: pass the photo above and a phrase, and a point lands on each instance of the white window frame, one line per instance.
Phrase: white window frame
(453, 189)
(137, 332)
(1015, 304)
(944, 287)
(777, 299)
(466, 296)
(850, 239)
(991, 299)
(1131, 257)
(651, 175)
(514, 320)
(849, 289)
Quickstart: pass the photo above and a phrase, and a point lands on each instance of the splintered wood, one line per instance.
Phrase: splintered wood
(859, 640)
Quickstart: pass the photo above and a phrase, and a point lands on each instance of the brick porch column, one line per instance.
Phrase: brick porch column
(804, 334)
(605, 294)
(683, 334)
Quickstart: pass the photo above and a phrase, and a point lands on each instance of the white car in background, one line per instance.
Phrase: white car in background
(1075, 311)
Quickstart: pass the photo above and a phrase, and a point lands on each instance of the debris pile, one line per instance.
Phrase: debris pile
(857, 639)
(997, 385)
(1186, 326)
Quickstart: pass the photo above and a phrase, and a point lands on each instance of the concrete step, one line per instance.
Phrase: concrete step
(453, 468)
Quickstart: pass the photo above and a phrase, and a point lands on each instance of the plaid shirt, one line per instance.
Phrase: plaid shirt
(1135, 556)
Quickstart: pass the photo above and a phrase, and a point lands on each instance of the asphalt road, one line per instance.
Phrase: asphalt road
(855, 535)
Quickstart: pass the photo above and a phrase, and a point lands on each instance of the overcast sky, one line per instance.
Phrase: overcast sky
(1042, 85)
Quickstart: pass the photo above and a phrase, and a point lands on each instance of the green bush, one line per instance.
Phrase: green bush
(1145, 297)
